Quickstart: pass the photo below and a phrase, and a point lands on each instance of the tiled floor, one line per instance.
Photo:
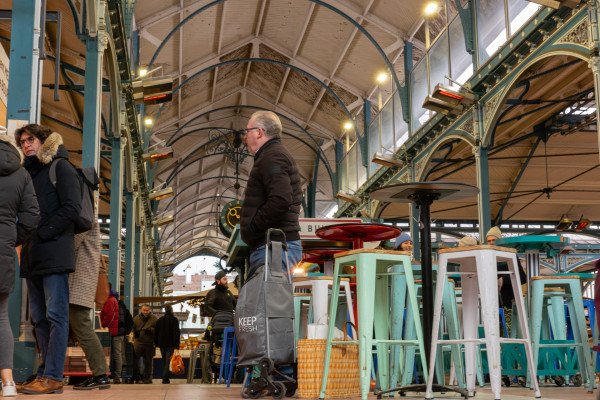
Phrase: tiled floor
(214, 392)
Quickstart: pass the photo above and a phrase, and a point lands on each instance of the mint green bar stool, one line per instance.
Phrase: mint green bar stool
(453, 328)
(299, 300)
(572, 286)
(373, 311)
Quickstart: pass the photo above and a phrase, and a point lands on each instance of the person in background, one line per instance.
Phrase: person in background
(507, 295)
(109, 318)
(467, 241)
(404, 242)
(144, 325)
(48, 256)
(119, 341)
(166, 338)
(219, 298)
(82, 287)
(19, 216)
(273, 196)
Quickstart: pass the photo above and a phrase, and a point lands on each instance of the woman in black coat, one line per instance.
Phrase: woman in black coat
(166, 337)
(48, 256)
(19, 215)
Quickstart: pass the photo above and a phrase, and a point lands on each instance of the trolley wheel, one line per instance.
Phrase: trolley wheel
(559, 380)
(522, 381)
(290, 388)
(577, 379)
(506, 380)
(253, 392)
(267, 364)
(278, 391)
(65, 380)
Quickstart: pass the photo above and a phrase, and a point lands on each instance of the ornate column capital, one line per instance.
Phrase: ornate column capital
(594, 64)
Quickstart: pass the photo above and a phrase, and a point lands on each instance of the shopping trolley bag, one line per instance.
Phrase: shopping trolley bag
(264, 316)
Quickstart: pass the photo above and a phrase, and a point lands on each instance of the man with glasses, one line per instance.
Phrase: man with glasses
(273, 193)
(48, 256)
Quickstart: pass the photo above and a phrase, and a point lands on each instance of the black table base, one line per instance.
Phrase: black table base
(422, 388)
(423, 194)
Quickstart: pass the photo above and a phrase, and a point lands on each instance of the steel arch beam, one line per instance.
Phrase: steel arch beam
(188, 230)
(181, 166)
(319, 2)
(195, 183)
(268, 61)
(321, 154)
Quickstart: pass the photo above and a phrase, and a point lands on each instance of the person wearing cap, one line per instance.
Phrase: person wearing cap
(404, 242)
(467, 241)
(507, 295)
(220, 298)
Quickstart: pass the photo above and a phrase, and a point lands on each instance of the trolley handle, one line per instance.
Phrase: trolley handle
(278, 231)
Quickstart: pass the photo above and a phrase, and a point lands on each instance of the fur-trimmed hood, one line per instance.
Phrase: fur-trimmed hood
(51, 148)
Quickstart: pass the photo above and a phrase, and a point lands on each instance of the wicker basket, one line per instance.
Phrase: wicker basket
(344, 375)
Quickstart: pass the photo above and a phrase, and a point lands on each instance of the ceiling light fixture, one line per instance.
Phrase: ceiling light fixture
(582, 225)
(163, 221)
(452, 96)
(347, 197)
(348, 125)
(386, 161)
(148, 121)
(382, 77)
(564, 224)
(167, 290)
(161, 194)
(431, 8)
(165, 264)
(167, 275)
(165, 251)
(158, 154)
(151, 91)
(167, 283)
(441, 106)
(556, 4)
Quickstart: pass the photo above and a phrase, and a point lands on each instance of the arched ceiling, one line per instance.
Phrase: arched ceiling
(543, 159)
(313, 62)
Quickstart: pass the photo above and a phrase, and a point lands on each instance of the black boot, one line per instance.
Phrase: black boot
(93, 382)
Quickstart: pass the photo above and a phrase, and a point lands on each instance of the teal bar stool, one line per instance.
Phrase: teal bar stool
(299, 300)
(373, 311)
(572, 286)
(453, 329)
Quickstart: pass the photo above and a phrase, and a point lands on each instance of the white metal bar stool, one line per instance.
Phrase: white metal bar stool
(479, 272)
(319, 288)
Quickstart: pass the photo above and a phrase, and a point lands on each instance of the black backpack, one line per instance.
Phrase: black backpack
(127, 320)
(89, 182)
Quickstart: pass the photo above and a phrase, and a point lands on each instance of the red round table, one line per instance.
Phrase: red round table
(322, 256)
(358, 233)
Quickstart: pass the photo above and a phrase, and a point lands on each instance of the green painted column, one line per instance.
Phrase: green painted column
(130, 240)
(23, 106)
(594, 63)
(24, 86)
(483, 198)
(414, 218)
(116, 216)
(137, 278)
(92, 101)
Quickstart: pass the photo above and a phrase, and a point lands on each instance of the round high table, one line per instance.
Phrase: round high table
(358, 233)
(532, 246)
(423, 194)
(322, 256)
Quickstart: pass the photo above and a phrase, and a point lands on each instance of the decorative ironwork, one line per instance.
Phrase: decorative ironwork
(231, 145)
(577, 35)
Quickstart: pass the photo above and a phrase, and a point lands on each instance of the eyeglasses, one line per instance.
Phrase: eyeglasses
(29, 140)
(245, 131)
